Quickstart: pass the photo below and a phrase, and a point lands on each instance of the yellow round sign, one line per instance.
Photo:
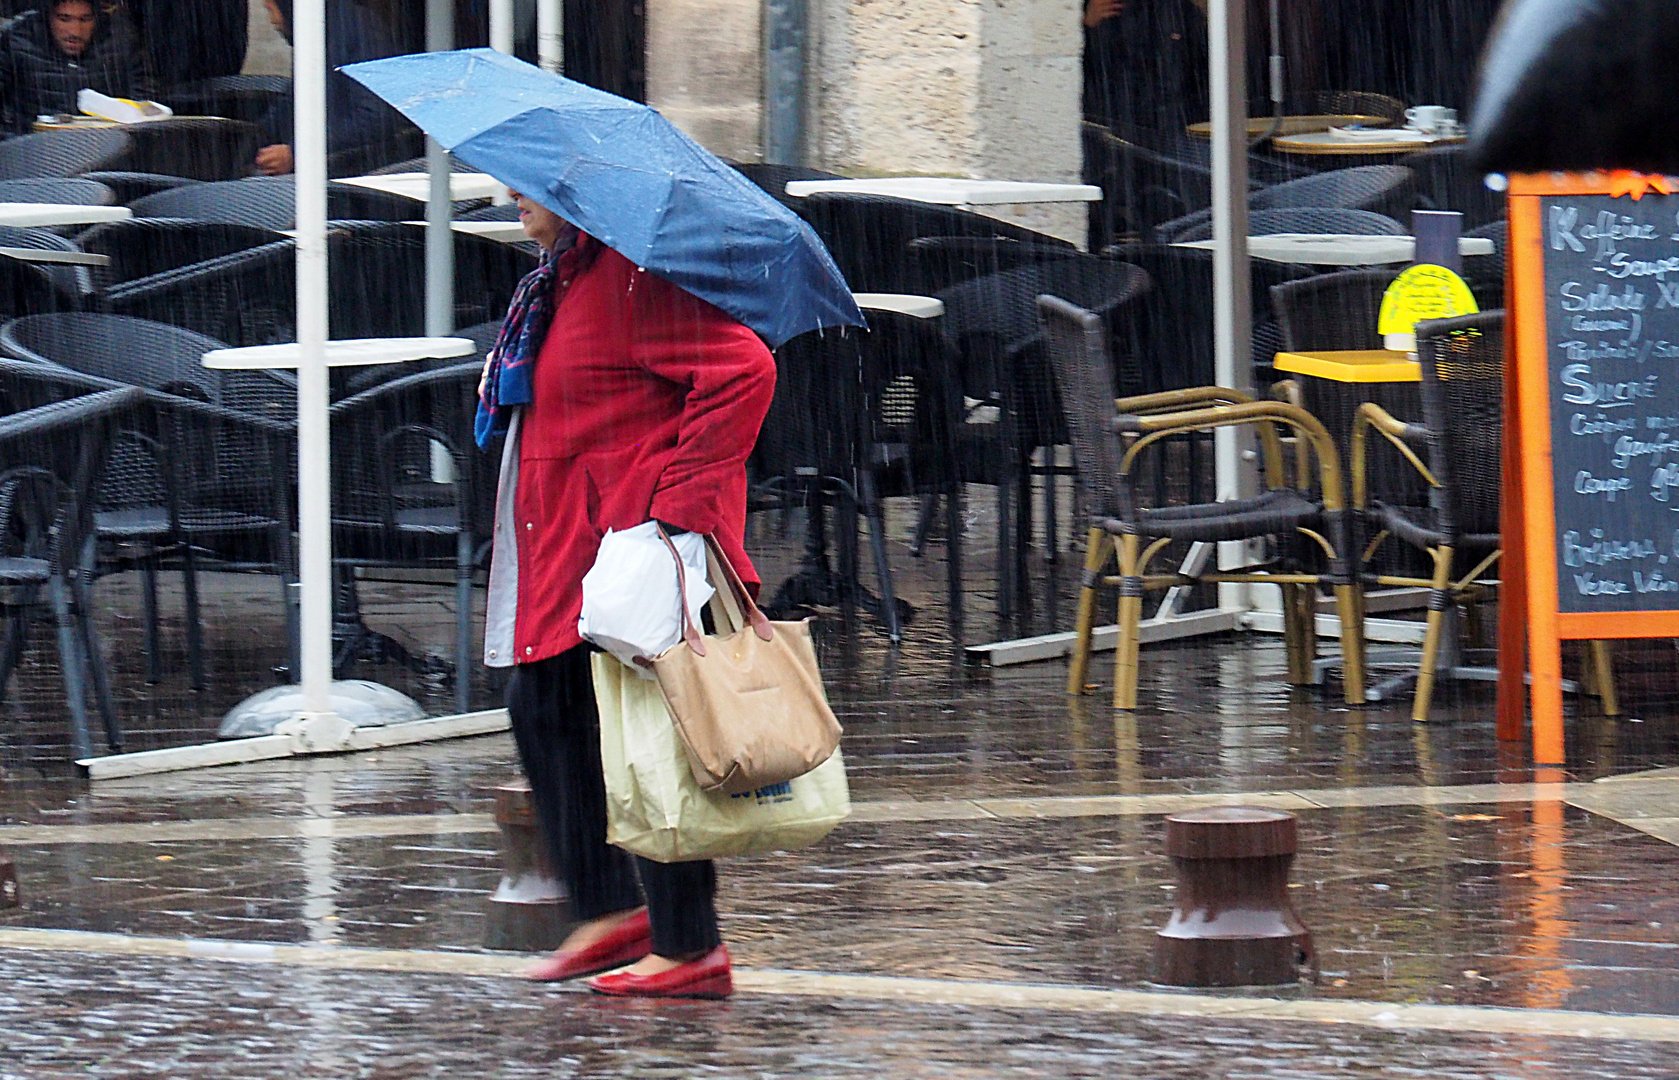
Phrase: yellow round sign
(1423, 292)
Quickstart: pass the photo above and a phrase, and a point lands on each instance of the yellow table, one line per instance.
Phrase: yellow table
(1357, 366)
(1294, 125)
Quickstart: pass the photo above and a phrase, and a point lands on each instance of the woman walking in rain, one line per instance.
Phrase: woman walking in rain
(624, 399)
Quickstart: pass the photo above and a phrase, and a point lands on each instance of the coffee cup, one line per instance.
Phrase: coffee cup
(1431, 119)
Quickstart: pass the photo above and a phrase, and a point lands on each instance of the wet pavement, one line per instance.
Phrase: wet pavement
(988, 911)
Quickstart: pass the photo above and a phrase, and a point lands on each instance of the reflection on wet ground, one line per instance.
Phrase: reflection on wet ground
(1004, 835)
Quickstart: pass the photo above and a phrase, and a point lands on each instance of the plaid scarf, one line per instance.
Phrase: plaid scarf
(513, 360)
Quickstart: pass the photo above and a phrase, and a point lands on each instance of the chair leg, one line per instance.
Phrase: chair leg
(195, 630)
(1005, 552)
(1130, 616)
(877, 546)
(1352, 643)
(1095, 557)
(463, 622)
(953, 560)
(70, 665)
(1438, 599)
(81, 598)
(923, 523)
(148, 598)
(14, 638)
(1050, 508)
(1604, 671)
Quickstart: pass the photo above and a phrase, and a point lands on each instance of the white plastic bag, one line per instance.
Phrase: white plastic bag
(629, 595)
(656, 809)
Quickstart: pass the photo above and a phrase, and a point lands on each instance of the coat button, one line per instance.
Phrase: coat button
(492, 654)
(527, 650)
(529, 526)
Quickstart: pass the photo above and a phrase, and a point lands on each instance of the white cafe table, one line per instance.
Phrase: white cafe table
(508, 232)
(30, 215)
(951, 191)
(417, 185)
(920, 307)
(56, 258)
(354, 352)
(1341, 249)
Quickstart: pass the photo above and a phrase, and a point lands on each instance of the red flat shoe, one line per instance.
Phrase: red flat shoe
(625, 943)
(707, 977)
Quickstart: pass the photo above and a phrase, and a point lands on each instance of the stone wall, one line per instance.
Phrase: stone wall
(705, 71)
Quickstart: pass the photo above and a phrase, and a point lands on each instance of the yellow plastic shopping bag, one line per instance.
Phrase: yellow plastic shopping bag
(655, 808)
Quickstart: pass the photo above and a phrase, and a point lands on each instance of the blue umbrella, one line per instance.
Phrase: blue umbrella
(626, 176)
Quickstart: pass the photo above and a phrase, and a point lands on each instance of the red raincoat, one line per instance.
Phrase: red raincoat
(646, 403)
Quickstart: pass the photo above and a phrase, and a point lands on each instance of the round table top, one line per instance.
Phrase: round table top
(417, 185)
(354, 352)
(1378, 141)
(1293, 125)
(43, 215)
(952, 190)
(920, 307)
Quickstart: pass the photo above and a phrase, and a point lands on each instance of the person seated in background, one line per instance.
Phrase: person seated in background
(356, 120)
(51, 54)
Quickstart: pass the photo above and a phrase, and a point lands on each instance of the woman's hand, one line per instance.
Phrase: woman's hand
(484, 377)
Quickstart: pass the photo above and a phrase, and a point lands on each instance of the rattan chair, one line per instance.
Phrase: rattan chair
(868, 235)
(392, 506)
(62, 153)
(270, 202)
(1389, 190)
(774, 179)
(1306, 220)
(73, 281)
(1358, 103)
(1294, 519)
(131, 186)
(196, 147)
(66, 191)
(1458, 451)
(241, 97)
(143, 246)
(27, 289)
(54, 453)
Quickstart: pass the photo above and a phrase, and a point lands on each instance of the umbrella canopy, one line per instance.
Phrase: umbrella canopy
(1577, 85)
(626, 176)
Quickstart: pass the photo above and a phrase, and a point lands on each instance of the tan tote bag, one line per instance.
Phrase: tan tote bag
(749, 706)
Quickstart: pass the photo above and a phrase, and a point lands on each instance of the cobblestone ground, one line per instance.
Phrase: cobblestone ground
(989, 909)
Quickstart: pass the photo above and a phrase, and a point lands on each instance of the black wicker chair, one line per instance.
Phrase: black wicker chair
(1389, 190)
(868, 235)
(775, 178)
(1458, 450)
(67, 191)
(27, 289)
(1269, 222)
(210, 483)
(129, 187)
(240, 97)
(74, 282)
(1390, 110)
(246, 298)
(393, 506)
(1121, 524)
(270, 202)
(195, 147)
(1446, 181)
(53, 454)
(62, 153)
(141, 247)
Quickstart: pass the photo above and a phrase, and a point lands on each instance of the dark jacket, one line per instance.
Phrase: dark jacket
(355, 117)
(188, 40)
(37, 79)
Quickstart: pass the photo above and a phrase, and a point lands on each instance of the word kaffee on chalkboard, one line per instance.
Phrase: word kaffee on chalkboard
(1611, 270)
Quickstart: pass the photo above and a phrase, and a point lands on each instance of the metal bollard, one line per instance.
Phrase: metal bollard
(9, 895)
(530, 911)
(1233, 924)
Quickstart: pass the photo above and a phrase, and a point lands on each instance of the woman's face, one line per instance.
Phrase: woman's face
(541, 224)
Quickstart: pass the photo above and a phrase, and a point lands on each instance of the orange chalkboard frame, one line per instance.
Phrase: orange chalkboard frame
(1530, 515)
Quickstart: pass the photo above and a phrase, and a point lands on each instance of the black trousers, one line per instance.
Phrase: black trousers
(555, 722)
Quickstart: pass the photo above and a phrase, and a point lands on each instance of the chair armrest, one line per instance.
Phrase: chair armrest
(1290, 391)
(372, 395)
(47, 419)
(169, 403)
(1400, 434)
(1264, 414)
(1170, 400)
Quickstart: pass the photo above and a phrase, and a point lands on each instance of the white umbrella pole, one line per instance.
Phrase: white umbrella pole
(314, 484)
(501, 26)
(440, 242)
(1232, 305)
(550, 34)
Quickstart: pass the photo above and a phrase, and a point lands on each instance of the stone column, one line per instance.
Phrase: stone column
(976, 88)
(705, 71)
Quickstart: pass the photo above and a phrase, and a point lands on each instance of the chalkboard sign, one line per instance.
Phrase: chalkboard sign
(1591, 447)
(1611, 271)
